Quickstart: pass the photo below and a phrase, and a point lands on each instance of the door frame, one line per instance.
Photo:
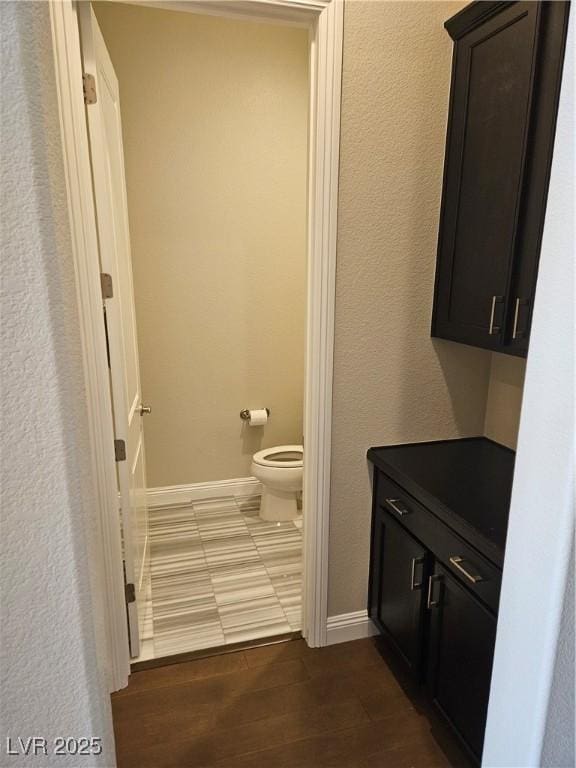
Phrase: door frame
(324, 20)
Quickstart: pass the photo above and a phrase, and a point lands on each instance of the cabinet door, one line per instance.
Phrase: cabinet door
(537, 175)
(492, 85)
(461, 650)
(397, 588)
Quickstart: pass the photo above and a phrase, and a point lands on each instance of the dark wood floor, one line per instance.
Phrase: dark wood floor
(278, 706)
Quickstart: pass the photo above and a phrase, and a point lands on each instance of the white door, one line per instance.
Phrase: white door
(105, 133)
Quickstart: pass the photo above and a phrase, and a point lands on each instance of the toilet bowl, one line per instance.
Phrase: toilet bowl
(280, 470)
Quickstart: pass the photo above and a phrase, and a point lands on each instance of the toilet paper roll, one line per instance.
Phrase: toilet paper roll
(258, 417)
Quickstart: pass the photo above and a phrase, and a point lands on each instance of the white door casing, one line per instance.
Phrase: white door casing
(324, 19)
(107, 157)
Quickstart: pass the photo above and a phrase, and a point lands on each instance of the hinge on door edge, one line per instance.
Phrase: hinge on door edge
(89, 88)
(106, 285)
(119, 450)
(130, 592)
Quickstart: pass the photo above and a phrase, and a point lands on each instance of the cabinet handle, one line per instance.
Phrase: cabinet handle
(393, 504)
(494, 329)
(413, 585)
(473, 577)
(519, 303)
(430, 602)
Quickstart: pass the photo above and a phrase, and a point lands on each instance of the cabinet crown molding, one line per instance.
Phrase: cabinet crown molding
(472, 16)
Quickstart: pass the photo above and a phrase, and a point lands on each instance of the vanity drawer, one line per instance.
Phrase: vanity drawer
(471, 568)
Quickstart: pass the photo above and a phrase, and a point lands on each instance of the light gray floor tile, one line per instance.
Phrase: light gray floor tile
(288, 589)
(230, 550)
(240, 582)
(222, 575)
(185, 613)
(148, 626)
(206, 633)
(176, 557)
(258, 528)
(227, 523)
(252, 619)
(281, 559)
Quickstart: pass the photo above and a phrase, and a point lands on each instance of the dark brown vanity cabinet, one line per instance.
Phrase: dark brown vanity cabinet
(460, 653)
(506, 75)
(439, 518)
(399, 576)
(435, 619)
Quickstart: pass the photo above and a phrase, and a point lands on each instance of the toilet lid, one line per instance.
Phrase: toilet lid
(280, 456)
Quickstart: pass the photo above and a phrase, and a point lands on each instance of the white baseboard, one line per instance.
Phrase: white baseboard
(186, 494)
(349, 626)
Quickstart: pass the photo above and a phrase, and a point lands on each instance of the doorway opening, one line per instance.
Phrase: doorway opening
(320, 27)
(210, 330)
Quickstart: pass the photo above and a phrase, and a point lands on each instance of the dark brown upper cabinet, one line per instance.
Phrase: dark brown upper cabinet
(506, 73)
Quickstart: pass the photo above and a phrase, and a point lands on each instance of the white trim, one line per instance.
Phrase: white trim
(285, 12)
(349, 626)
(185, 494)
(325, 21)
(77, 172)
(326, 78)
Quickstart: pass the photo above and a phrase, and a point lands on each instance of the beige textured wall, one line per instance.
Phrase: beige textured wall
(504, 399)
(55, 653)
(215, 137)
(392, 382)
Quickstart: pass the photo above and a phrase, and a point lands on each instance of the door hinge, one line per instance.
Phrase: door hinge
(106, 285)
(120, 450)
(89, 88)
(130, 592)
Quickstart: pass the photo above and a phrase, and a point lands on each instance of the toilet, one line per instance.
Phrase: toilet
(280, 470)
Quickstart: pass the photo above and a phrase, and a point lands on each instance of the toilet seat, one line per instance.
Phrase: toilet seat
(281, 456)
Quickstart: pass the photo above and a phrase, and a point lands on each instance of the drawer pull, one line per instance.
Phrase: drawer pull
(430, 602)
(413, 585)
(456, 561)
(393, 504)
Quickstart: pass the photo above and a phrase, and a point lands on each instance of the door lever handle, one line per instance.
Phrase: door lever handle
(144, 409)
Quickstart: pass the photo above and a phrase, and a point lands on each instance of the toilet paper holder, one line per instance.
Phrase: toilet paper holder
(245, 413)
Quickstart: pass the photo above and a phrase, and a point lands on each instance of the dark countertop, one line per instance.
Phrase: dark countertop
(467, 483)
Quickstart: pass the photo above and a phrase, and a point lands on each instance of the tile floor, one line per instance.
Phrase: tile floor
(220, 575)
